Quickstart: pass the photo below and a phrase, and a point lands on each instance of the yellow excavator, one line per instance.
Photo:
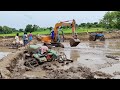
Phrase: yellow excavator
(54, 39)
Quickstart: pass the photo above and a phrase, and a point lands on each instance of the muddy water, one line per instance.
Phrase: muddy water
(3, 54)
(4, 51)
(93, 55)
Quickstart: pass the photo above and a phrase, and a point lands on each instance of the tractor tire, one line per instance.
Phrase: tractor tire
(92, 38)
(102, 38)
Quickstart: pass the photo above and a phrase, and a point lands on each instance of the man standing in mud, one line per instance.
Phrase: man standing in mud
(30, 36)
(52, 34)
(25, 39)
(17, 41)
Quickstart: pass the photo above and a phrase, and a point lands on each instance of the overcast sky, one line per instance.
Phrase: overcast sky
(19, 19)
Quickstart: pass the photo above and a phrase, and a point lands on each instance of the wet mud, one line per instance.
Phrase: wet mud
(91, 60)
(53, 71)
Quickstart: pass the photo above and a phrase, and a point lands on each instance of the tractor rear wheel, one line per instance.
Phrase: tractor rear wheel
(92, 38)
(102, 38)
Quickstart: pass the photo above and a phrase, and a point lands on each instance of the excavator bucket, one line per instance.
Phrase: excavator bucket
(74, 42)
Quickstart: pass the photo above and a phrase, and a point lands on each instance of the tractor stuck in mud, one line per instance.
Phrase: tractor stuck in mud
(34, 57)
(96, 36)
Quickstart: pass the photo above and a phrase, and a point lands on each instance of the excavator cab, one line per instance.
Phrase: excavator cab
(74, 41)
(60, 36)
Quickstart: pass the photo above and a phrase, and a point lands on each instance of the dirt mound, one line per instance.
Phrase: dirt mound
(101, 74)
(6, 42)
(71, 73)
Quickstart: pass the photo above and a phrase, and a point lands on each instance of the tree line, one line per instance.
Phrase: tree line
(6, 30)
(111, 20)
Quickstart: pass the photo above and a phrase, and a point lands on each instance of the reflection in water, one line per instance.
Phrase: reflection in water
(74, 54)
(95, 44)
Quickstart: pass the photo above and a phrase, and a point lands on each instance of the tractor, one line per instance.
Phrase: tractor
(96, 36)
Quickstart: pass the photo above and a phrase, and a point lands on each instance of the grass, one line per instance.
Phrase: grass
(66, 31)
(82, 30)
(21, 33)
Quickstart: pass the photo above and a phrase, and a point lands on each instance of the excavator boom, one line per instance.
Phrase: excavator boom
(57, 25)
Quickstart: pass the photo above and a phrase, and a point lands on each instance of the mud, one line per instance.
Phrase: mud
(5, 44)
(85, 36)
(91, 60)
(6, 41)
(3, 54)
(98, 56)
(51, 71)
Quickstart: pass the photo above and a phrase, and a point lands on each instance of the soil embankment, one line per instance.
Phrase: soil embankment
(81, 36)
(10, 60)
(85, 36)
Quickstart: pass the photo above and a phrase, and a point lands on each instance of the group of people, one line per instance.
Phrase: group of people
(26, 38)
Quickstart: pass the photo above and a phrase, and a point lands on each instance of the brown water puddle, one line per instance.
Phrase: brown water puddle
(93, 54)
(6, 49)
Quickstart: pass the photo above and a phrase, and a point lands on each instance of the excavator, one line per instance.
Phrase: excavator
(55, 39)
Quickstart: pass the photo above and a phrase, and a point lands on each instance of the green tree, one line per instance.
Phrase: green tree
(35, 28)
(111, 20)
(14, 29)
(117, 20)
(88, 25)
(1, 30)
(83, 24)
(21, 30)
(7, 30)
(29, 28)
